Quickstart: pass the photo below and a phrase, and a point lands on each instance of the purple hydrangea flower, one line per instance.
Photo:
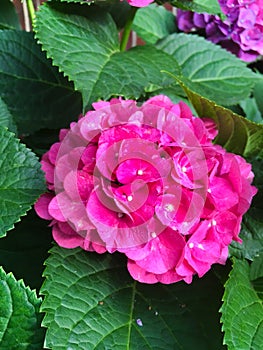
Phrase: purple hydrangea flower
(241, 32)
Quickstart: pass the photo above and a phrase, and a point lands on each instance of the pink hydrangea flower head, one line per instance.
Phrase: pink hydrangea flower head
(146, 181)
(241, 32)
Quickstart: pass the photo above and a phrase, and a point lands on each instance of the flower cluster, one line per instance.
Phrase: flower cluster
(241, 32)
(148, 182)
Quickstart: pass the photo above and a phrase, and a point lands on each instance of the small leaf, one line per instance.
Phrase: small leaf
(208, 6)
(242, 311)
(250, 107)
(6, 118)
(92, 55)
(252, 223)
(258, 89)
(19, 315)
(153, 22)
(36, 94)
(207, 68)
(91, 302)
(8, 16)
(256, 268)
(251, 235)
(21, 180)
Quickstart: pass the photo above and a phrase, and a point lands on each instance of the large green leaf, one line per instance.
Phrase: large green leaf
(21, 180)
(208, 6)
(153, 22)
(242, 311)
(86, 49)
(36, 94)
(208, 69)
(19, 316)
(8, 16)
(24, 250)
(91, 302)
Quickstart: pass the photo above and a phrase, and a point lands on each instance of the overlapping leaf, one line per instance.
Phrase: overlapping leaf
(153, 22)
(242, 311)
(21, 180)
(235, 133)
(86, 49)
(36, 95)
(91, 302)
(19, 316)
(210, 70)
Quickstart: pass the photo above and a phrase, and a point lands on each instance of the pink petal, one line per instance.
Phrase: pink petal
(41, 206)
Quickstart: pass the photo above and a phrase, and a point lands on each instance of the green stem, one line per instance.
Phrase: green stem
(127, 29)
(31, 10)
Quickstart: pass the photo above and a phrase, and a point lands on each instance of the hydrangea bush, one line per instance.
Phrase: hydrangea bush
(145, 162)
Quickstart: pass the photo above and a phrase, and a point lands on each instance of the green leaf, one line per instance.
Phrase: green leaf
(27, 244)
(208, 69)
(6, 118)
(258, 91)
(91, 302)
(129, 73)
(252, 223)
(92, 55)
(19, 315)
(242, 311)
(256, 268)
(88, 42)
(251, 235)
(256, 274)
(153, 22)
(21, 180)
(8, 16)
(36, 94)
(237, 134)
(208, 6)
(250, 107)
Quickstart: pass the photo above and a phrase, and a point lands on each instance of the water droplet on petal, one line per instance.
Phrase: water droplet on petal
(129, 198)
(214, 222)
(139, 172)
(191, 245)
(169, 207)
(153, 234)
